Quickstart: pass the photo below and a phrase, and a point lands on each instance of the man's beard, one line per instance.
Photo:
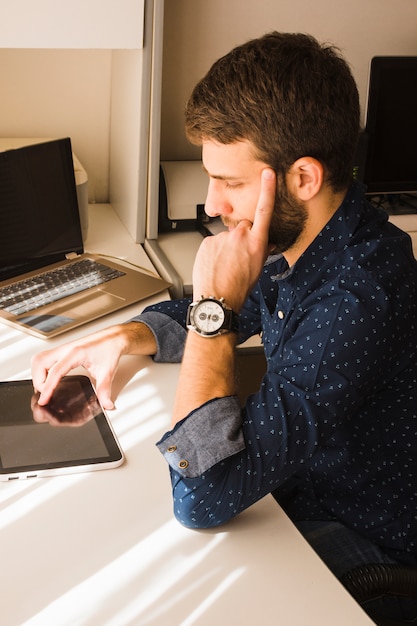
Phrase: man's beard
(288, 220)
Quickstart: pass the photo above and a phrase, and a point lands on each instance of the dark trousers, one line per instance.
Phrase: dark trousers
(342, 549)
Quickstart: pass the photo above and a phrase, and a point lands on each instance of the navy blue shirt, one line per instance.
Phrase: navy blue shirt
(333, 426)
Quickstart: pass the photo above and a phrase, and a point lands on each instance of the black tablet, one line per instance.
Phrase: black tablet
(70, 434)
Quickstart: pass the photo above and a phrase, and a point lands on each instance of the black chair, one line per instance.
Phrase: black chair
(370, 582)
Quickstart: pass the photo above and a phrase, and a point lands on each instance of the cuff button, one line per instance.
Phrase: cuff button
(171, 448)
(183, 464)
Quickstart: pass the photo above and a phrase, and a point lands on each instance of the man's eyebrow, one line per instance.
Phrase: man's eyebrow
(220, 176)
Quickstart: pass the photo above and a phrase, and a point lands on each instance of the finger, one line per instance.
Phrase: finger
(47, 372)
(46, 389)
(103, 390)
(40, 366)
(104, 396)
(266, 204)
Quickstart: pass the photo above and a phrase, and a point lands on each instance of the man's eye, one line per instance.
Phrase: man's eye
(232, 185)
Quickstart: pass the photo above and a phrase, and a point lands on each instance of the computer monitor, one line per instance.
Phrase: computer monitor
(391, 126)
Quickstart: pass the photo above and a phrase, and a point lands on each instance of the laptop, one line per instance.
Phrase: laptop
(41, 242)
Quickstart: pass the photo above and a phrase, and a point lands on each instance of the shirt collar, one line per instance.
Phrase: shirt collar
(335, 235)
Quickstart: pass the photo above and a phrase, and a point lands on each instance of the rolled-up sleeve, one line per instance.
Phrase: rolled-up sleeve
(207, 436)
(169, 336)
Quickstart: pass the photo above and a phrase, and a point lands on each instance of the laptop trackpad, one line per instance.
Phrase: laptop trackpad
(88, 306)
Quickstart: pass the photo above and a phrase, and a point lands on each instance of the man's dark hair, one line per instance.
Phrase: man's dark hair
(287, 94)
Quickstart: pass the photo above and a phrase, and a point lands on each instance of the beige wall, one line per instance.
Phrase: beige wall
(199, 31)
(60, 93)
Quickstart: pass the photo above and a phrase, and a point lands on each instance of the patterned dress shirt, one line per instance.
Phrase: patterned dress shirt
(333, 427)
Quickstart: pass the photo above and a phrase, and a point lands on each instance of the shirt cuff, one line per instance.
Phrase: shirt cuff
(205, 437)
(169, 336)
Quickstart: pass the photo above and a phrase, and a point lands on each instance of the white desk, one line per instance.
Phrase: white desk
(103, 548)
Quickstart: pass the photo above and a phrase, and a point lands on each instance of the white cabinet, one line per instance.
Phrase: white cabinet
(108, 24)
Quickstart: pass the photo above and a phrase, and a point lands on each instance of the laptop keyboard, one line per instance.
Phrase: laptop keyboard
(32, 293)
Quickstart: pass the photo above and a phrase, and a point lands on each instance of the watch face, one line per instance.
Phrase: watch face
(208, 316)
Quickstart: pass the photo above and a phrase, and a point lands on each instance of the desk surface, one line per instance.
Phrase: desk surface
(103, 548)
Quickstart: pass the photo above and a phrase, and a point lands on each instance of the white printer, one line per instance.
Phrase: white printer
(182, 223)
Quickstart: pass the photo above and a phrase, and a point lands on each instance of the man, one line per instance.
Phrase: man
(332, 287)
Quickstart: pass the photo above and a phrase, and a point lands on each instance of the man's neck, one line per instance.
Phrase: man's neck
(320, 210)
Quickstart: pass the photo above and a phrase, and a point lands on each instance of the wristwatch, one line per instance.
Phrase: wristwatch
(210, 317)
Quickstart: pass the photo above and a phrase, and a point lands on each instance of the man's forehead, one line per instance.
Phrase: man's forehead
(228, 161)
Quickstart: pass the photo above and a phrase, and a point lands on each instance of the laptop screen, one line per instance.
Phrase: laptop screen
(39, 218)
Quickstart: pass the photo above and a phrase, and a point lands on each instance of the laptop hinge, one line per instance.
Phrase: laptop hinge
(71, 255)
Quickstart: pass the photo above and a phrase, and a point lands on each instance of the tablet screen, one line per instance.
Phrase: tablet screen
(70, 434)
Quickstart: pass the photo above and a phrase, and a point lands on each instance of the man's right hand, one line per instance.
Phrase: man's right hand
(99, 354)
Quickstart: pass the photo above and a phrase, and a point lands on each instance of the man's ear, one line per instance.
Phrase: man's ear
(305, 178)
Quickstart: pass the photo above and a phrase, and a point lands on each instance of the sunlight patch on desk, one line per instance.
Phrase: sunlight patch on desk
(221, 589)
(22, 374)
(9, 337)
(15, 491)
(103, 593)
(18, 354)
(44, 490)
(133, 429)
(141, 405)
(188, 595)
(160, 599)
(140, 415)
(142, 432)
(136, 395)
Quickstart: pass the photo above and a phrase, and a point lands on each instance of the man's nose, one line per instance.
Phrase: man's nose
(216, 201)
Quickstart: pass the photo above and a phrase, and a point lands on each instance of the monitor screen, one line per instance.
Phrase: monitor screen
(391, 126)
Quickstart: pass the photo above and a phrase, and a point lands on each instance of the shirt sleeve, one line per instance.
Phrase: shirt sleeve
(169, 336)
(166, 320)
(207, 436)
